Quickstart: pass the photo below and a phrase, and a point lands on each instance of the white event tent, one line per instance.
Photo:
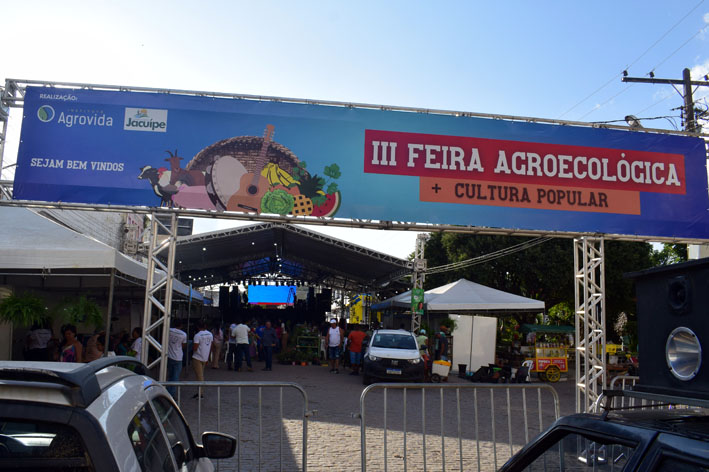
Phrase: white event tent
(475, 336)
(464, 296)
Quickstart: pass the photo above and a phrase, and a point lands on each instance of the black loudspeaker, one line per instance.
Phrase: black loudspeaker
(234, 299)
(673, 329)
(224, 298)
(325, 300)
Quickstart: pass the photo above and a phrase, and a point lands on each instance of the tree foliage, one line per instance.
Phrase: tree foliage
(670, 254)
(543, 272)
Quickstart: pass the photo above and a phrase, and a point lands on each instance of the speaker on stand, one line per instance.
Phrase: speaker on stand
(673, 329)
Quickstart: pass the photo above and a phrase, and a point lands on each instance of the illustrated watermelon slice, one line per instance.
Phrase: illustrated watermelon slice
(330, 207)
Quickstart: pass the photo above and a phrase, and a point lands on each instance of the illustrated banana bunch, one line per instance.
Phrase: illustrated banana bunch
(275, 175)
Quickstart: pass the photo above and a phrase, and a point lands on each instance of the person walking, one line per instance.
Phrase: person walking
(269, 339)
(231, 347)
(177, 342)
(335, 337)
(355, 345)
(218, 335)
(201, 346)
(241, 333)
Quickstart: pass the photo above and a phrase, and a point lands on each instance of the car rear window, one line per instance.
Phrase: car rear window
(394, 341)
(38, 445)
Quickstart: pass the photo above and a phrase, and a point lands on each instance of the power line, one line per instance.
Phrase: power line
(488, 257)
(677, 50)
(602, 104)
(634, 62)
(666, 33)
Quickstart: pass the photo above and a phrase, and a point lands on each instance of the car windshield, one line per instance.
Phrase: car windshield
(394, 341)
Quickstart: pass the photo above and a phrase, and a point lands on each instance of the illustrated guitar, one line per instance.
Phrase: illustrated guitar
(252, 186)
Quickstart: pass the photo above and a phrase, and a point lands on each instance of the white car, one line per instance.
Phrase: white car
(392, 354)
(96, 417)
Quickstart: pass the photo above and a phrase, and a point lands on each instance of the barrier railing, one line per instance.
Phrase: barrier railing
(626, 382)
(444, 412)
(241, 408)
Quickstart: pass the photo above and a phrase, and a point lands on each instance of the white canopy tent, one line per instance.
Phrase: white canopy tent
(37, 253)
(475, 336)
(464, 296)
(32, 243)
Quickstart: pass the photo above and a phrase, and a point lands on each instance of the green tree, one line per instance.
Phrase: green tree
(544, 272)
(669, 254)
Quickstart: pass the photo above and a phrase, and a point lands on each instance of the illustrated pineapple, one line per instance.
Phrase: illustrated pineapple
(302, 205)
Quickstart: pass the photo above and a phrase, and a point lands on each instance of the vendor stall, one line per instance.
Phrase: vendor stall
(547, 349)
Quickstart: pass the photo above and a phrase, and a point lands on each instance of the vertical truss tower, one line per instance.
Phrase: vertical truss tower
(590, 294)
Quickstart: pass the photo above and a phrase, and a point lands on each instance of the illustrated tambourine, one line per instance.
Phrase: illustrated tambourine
(223, 178)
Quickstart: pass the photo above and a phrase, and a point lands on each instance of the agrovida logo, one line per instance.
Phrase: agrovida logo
(45, 113)
(145, 119)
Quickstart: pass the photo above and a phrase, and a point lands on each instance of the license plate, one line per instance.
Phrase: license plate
(394, 371)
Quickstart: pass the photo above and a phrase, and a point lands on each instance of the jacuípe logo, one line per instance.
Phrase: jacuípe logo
(45, 113)
(145, 119)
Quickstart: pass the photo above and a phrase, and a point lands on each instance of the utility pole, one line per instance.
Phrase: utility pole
(690, 123)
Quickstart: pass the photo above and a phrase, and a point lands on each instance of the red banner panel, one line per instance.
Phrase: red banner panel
(465, 158)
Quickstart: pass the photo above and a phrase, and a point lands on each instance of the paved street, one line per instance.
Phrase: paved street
(334, 430)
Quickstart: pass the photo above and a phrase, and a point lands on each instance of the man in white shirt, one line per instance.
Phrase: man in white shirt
(137, 345)
(201, 347)
(242, 345)
(176, 345)
(231, 347)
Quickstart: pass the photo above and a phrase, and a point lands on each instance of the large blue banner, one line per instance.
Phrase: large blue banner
(269, 157)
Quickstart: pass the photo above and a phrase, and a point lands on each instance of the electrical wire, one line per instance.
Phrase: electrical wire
(666, 33)
(701, 30)
(623, 90)
(612, 79)
(652, 105)
(488, 257)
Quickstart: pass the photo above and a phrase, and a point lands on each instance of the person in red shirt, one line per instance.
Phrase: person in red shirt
(355, 345)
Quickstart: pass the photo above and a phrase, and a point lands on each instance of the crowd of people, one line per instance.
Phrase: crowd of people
(341, 345)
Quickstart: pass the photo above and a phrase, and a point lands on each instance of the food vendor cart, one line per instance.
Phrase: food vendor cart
(549, 350)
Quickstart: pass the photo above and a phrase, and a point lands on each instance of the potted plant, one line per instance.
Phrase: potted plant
(80, 310)
(24, 309)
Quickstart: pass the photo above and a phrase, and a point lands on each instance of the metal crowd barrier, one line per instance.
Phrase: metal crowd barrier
(485, 415)
(626, 382)
(237, 406)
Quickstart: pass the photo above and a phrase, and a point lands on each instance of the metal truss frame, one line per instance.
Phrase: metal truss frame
(419, 276)
(588, 250)
(157, 313)
(590, 295)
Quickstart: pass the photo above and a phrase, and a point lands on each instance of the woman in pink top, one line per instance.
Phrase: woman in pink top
(217, 345)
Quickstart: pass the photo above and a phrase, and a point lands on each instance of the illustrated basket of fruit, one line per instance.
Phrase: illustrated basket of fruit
(246, 150)
(257, 175)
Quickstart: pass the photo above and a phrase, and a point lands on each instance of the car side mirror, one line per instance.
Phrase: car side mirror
(218, 445)
(178, 451)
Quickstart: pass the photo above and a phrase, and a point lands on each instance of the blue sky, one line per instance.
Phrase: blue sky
(538, 59)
